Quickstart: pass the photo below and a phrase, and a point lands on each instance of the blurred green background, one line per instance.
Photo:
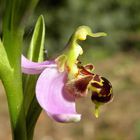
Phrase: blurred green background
(116, 57)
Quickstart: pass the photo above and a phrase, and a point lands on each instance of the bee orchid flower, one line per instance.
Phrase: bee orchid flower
(64, 79)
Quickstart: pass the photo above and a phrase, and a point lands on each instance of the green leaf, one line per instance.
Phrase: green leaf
(10, 64)
(11, 80)
(4, 63)
(36, 49)
(35, 53)
(15, 13)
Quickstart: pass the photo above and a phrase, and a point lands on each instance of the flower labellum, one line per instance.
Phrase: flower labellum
(101, 92)
(78, 87)
(100, 87)
(64, 79)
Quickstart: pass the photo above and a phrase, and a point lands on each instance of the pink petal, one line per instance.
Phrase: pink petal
(30, 67)
(52, 98)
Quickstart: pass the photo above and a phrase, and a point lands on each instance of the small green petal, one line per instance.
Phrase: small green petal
(61, 61)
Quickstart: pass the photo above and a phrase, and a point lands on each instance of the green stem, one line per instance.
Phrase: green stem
(12, 82)
(15, 103)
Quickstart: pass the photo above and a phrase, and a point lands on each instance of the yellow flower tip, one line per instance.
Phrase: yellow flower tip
(96, 112)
